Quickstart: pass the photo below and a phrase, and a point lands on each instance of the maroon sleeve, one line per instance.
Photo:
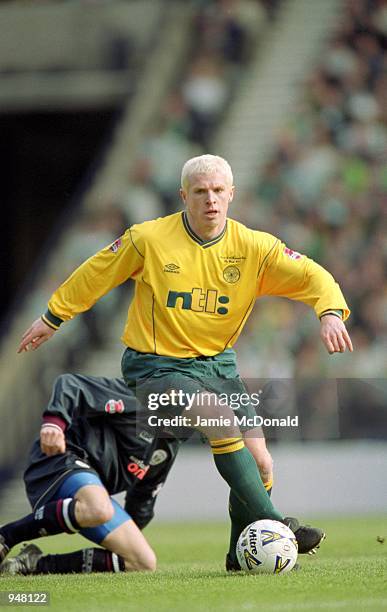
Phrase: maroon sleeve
(54, 420)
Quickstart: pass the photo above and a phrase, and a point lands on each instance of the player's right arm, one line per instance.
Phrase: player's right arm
(35, 335)
(58, 415)
(75, 394)
(107, 269)
(52, 440)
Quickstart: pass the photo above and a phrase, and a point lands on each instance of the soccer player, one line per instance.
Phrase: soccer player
(92, 444)
(197, 275)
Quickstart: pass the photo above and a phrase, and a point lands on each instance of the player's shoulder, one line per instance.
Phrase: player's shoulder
(262, 240)
(147, 228)
(143, 235)
(150, 230)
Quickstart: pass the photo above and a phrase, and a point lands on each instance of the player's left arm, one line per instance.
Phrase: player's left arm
(334, 334)
(289, 274)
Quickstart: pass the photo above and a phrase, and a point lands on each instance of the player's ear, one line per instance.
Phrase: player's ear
(183, 195)
(232, 191)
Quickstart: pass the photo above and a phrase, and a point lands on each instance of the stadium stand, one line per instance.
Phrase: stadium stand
(74, 54)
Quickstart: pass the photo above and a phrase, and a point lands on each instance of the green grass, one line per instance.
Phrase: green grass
(349, 573)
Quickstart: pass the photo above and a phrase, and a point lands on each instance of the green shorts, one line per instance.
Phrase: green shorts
(149, 375)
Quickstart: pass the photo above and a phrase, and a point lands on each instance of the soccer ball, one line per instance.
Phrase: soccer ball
(267, 547)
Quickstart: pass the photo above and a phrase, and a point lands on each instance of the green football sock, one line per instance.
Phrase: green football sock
(238, 522)
(240, 471)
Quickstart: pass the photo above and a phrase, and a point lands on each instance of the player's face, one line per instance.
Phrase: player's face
(207, 198)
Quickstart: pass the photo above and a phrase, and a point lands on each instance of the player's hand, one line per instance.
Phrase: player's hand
(334, 335)
(52, 441)
(35, 335)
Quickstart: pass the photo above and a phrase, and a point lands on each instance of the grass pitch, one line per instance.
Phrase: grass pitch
(349, 573)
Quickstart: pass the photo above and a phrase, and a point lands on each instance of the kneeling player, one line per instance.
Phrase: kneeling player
(70, 478)
(91, 446)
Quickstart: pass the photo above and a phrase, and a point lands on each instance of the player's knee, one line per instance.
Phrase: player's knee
(216, 420)
(148, 562)
(145, 561)
(100, 513)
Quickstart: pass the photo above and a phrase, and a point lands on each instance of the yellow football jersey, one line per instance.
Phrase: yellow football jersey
(193, 297)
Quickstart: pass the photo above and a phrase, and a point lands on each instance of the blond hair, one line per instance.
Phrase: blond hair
(205, 164)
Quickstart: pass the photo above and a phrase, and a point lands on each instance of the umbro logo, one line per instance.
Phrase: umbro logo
(173, 268)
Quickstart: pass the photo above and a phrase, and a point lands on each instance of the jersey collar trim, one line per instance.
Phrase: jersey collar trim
(203, 243)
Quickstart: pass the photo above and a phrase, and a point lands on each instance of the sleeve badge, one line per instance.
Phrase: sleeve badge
(292, 254)
(116, 245)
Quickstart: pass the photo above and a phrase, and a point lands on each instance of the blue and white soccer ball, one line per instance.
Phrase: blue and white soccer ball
(267, 547)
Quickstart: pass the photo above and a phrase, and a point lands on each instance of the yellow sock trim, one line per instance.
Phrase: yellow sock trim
(228, 445)
(224, 441)
(268, 485)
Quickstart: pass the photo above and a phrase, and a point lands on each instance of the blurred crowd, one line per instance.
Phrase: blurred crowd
(225, 34)
(324, 192)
